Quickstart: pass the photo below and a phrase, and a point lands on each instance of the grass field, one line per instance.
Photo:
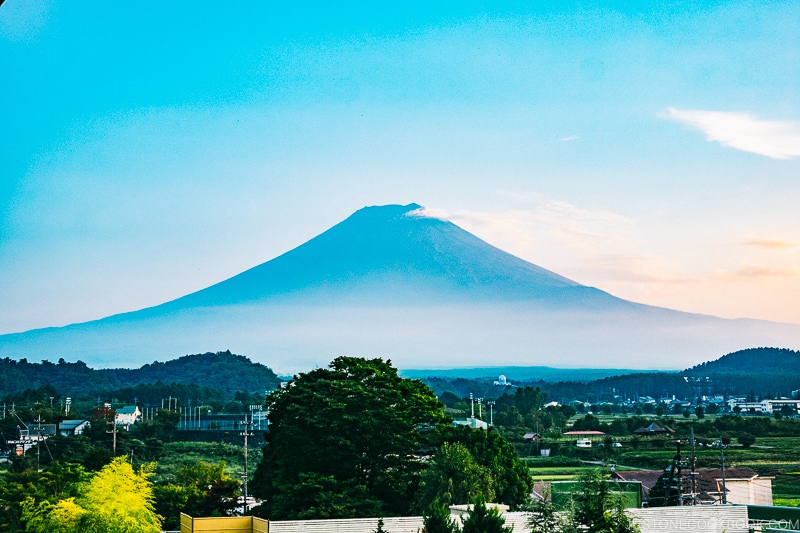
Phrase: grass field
(178, 454)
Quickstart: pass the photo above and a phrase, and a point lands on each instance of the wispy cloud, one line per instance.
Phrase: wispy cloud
(748, 272)
(770, 244)
(544, 218)
(744, 131)
(569, 138)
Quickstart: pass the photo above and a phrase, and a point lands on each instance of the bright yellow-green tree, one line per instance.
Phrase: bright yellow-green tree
(118, 499)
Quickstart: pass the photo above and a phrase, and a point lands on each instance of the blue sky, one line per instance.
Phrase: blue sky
(149, 150)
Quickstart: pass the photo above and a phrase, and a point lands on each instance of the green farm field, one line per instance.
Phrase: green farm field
(777, 457)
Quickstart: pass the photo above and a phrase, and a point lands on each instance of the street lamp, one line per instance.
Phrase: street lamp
(491, 412)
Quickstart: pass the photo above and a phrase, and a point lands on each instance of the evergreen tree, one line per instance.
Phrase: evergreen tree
(482, 519)
(436, 518)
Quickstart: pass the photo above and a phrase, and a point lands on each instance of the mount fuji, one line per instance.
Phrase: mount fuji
(390, 282)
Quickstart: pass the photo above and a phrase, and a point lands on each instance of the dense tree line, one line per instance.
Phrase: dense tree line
(762, 372)
(770, 372)
(222, 371)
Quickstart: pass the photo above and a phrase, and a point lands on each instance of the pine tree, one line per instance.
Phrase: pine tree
(436, 519)
(482, 519)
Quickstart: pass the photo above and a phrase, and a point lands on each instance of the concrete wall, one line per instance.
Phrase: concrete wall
(756, 491)
(705, 519)
(701, 519)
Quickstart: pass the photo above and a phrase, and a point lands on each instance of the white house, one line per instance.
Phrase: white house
(70, 428)
(766, 407)
(128, 415)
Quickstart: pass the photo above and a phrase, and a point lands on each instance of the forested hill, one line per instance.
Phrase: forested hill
(763, 371)
(222, 370)
(751, 361)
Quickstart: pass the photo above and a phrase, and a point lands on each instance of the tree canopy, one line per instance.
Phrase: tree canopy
(344, 440)
(117, 499)
(454, 477)
(511, 483)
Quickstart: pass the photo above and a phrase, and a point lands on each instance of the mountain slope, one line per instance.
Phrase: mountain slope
(388, 252)
(389, 282)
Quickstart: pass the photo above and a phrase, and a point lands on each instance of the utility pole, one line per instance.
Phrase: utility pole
(680, 474)
(246, 433)
(472, 402)
(722, 467)
(113, 422)
(38, 429)
(491, 412)
(694, 470)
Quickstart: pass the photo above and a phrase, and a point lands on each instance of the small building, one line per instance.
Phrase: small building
(747, 407)
(742, 485)
(30, 436)
(654, 430)
(585, 433)
(474, 423)
(462, 511)
(128, 416)
(502, 381)
(70, 428)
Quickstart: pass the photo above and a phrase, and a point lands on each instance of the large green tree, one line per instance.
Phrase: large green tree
(511, 481)
(344, 442)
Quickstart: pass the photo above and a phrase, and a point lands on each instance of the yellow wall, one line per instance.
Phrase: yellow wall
(228, 524)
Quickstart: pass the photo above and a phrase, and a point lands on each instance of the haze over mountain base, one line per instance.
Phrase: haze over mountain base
(295, 338)
(390, 282)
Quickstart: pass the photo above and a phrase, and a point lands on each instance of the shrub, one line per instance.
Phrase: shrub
(746, 440)
(482, 519)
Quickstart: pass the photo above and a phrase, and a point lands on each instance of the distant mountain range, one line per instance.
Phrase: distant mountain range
(391, 282)
(520, 373)
(221, 375)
